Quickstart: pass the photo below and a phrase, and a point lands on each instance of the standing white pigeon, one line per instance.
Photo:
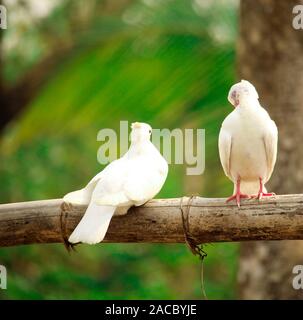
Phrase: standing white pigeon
(247, 143)
(129, 181)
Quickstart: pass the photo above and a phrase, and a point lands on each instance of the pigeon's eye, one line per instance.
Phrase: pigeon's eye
(149, 131)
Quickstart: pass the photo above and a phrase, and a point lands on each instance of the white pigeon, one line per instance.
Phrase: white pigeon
(129, 181)
(247, 143)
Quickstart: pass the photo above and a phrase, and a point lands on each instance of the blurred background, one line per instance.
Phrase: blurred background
(70, 68)
(75, 67)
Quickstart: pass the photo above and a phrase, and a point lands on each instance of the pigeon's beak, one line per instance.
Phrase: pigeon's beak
(233, 99)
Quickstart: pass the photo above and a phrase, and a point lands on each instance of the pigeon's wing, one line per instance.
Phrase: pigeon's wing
(84, 195)
(109, 189)
(106, 196)
(146, 178)
(271, 145)
(225, 144)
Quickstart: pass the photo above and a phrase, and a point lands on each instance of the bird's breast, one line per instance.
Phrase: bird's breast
(248, 156)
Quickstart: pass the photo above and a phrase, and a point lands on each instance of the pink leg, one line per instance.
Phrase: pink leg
(262, 194)
(238, 194)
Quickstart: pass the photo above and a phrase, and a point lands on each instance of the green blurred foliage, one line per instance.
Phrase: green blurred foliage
(168, 63)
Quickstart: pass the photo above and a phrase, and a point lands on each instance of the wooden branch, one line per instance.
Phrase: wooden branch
(211, 220)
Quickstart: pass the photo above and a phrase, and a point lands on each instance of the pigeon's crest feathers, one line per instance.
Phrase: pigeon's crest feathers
(242, 90)
(140, 125)
(140, 131)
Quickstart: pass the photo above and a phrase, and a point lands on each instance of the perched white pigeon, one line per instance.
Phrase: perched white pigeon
(247, 143)
(129, 181)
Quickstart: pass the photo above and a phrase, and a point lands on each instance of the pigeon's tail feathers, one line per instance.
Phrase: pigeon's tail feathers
(94, 224)
(82, 196)
(250, 187)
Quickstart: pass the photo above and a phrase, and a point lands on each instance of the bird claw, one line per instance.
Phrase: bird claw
(238, 197)
(67, 206)
(260, 195)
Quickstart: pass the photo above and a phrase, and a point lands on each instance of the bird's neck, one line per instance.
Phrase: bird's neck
(248, 103)
(138, 147)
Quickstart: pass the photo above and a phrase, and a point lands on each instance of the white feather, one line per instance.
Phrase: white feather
(83, 196)
(94, 224)
(248, 140)
(131, 180)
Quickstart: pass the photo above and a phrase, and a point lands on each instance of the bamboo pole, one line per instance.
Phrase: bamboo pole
(159, 221)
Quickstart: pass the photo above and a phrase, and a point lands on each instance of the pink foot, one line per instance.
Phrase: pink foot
(260, 195)
(238, 197)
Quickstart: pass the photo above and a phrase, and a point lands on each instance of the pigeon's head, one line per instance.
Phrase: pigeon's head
(241, 92)
(140, 132)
